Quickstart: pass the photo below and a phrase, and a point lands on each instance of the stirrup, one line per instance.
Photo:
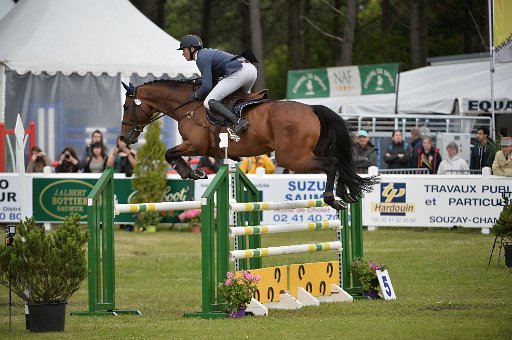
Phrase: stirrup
(233, 136)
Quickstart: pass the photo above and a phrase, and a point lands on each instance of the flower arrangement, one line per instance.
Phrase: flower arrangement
(238, 289)
(365, 271)
(190, 216)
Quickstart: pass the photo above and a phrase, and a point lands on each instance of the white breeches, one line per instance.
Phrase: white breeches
(243, 79)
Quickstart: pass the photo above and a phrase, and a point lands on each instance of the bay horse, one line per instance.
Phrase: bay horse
(305, 138)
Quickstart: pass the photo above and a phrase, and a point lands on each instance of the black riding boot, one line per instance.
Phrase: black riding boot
(239, 125)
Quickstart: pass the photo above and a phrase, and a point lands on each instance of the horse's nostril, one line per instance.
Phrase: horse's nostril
(121, 138)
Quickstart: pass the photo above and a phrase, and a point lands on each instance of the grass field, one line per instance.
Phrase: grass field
(445, 290)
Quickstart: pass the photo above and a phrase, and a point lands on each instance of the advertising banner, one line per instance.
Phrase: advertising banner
(342, 81)
(55, 198)
(10, 205)
(435, 201)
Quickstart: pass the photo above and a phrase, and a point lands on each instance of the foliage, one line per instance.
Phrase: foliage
(150, 178)
(50, 266)
(190, 216)
(238, 289)
(365, 271)
(503, 226)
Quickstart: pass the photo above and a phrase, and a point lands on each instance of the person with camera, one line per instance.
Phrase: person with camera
(68, 161)
(122, 158)
(38, 160)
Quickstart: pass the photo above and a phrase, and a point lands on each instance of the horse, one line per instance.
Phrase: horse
(305, 138)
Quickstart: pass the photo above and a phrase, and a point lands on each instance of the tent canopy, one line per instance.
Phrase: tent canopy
(97, 36)
(433, 89)
(5, 6)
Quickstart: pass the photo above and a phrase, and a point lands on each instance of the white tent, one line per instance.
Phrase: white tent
(450, 88)
(5, 6)
(63, 60)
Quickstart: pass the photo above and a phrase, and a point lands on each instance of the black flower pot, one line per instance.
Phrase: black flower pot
(49, 317)
(508, 255)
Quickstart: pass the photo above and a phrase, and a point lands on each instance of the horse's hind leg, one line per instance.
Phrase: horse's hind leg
(329, 198)
(342, 192)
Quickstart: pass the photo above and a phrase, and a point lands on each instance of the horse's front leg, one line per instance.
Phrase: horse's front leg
(173, 156)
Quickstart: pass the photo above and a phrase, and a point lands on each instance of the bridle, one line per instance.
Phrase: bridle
(139, 127)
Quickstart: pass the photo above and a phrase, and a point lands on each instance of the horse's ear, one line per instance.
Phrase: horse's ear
(128, 88)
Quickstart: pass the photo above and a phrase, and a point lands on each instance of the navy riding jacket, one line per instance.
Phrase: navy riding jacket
(214, 64)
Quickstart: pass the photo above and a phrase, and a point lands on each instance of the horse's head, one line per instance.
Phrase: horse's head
(136, 115)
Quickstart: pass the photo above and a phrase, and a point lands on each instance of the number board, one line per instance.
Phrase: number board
(385, 285)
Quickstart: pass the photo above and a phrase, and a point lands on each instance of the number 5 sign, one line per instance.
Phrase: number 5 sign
(385, 285)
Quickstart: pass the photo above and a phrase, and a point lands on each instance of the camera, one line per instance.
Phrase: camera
(66, 156)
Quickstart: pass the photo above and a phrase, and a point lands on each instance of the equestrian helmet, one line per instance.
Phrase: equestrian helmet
(191, 41)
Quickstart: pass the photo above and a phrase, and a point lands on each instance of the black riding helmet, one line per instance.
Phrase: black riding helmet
(191, 41)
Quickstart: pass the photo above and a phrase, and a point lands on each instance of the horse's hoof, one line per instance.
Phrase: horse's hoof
(199, 174)
(334, 203)
(338, 205)
(349, 198)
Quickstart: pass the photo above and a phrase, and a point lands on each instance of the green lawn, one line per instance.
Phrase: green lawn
(444, 286)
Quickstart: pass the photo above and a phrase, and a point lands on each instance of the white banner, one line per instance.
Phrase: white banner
(399, 200)
(10, 205)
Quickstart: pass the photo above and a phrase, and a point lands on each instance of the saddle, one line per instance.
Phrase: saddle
(237, 102)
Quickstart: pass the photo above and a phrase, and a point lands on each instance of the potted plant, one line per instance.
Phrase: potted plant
(45, 269)
(193, 218)
(238, 290)
(365, 272)
(503, 228)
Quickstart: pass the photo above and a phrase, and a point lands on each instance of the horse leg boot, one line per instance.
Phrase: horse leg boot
(239, 125)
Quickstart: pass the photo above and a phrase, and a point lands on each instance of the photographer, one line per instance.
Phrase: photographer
(68, 161)
(122, 158)
(38, 160)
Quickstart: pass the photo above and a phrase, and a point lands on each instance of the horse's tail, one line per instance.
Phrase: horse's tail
(335, 134)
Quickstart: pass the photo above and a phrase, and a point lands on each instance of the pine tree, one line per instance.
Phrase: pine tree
(150, 174)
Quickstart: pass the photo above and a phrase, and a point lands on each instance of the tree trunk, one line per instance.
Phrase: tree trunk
(294, 57)
(348, 34)
(337, 45)
(152, 9)
(306, 38)
(418, 33)
(385, 20)
(257, 41)
(205, 21)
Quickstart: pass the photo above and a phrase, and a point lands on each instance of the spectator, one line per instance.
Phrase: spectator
(96, 136)
(38, 160)
(98, 160)
(428, 157)
(398, 152)
(453, 164)
(208, 164)
(415, 136)
(482, 152)
(502, 165)
(68, 161)
(364, 152)
(122, 158)
(249, 164)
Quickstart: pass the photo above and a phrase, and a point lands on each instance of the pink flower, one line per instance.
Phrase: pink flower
(228, 282)
(189, 214)
(230, 275)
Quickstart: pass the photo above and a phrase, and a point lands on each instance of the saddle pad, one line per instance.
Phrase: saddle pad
(238, 109)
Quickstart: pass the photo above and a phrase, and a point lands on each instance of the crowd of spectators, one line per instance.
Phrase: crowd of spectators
(421, 154)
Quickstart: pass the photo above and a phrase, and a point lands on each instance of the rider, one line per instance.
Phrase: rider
(236, 72)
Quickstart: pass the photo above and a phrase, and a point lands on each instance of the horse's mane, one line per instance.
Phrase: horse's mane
(173, 82)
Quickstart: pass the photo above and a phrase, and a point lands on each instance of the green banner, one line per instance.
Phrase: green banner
(308, 83)
(376, 79)
(342, 81)
(54, 199)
